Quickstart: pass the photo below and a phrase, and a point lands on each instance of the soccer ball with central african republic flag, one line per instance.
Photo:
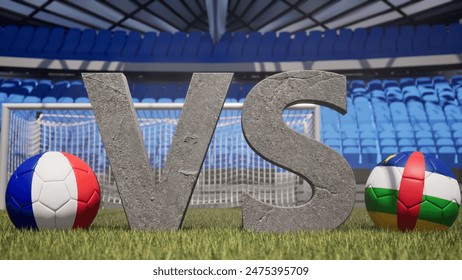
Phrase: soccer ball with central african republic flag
(412, 191)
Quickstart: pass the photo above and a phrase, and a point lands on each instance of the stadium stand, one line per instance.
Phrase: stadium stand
(92, 44)
(384, 116)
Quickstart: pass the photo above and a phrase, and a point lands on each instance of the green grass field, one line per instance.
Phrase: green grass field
(217, 234)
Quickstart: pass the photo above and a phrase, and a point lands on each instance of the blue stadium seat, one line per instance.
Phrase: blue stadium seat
(434, 112)
(116, 45)
(131, 47)
(8, 37)
(406, 142)
(87, 40)
(175, 51)
(369, 157)
(23, 39)
(448, 155)
(147, 46)
(70, 42)
(310, 50)
(358, 42)
(251, 45)
(374, 85)
(453, 114)
(406, 81)
(326, 45)
(411, 92)
(281, 46)
(191, 46)
(388, 46)
(54, 42)
(101, 44)
(342, 44)
(405, 39)
(387, 151)
(422, 142)
(393, 93)
(162, 46)
(420, 134)
(421, 39)
(265, 50)
(39, 40)
(454, 38)
(221, 48)
(429, 150)
(205, 48)
(437, 39)
(398, 112)
(388, 142)
(374, 42)
(352, 155)
(236, 46)
(296, 46)
(417, 112)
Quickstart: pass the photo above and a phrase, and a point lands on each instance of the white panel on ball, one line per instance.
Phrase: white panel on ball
(44, 216)
(59, 172)
(65, 216)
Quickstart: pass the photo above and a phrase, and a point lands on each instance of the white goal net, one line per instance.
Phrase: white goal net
(230, 165)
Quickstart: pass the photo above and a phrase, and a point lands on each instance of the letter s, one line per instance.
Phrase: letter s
(328, 173)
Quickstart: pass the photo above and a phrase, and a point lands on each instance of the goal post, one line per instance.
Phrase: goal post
(229, 168)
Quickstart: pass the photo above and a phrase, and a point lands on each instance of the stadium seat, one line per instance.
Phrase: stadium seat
(454, 38)
(131, 47)
(404, 43)
(388, 46)
(160, 51)
(342, 44)
(369, 157)
(296, 46)
(39, 40)
(411, 93)
(374, 42)
(420, 43)
(100, 47)
(191, 46)
(265, 50)
(448, 155)
(147, 46)
(205, 48)
(281, 46)
(87, 40)
(398, 112)
(54, 43)
(116, 45)
(23, 39)
(388, 142)
(7, 37)
(175, 51)
(236, 46)
(358, 42)
(251, 45)
(310, 50)
(437, 39)
(417, 112)
(435, 113)
(220, 50)
(387, 151)
(326, 45)
(352, 155)
(70, 42)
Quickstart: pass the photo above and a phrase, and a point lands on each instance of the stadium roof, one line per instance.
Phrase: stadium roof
(236, 15)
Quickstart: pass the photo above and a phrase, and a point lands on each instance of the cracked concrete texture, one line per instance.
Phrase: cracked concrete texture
(327, 172)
